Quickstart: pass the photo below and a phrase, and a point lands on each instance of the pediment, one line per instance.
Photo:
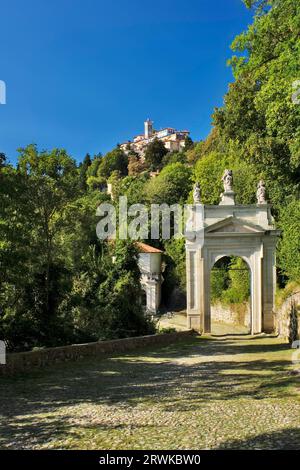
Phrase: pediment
(233, 225)
(233, 228)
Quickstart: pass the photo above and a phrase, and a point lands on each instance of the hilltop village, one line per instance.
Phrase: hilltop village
(173, 139)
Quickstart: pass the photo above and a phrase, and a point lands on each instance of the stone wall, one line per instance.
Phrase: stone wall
(240, 314)
(26, 361)
(235, 314)
(282, 316)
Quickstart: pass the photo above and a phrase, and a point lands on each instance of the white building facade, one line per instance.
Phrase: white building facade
(150, 265)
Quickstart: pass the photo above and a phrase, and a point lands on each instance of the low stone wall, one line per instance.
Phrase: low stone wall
(26, 361)
(282, 316)
(235, 314)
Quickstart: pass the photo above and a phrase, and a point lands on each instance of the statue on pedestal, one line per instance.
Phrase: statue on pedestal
(227, 179)
(261, 193)
(196, 193)
(228, 197)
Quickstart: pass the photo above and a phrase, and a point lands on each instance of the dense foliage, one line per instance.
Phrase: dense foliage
(257, 131)
(59, 283)
(230, 281)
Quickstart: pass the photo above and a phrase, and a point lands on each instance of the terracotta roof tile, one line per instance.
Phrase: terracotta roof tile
(144, 248)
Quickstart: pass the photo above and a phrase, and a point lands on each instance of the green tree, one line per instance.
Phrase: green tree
(16, 225)
(154, 154)
(108, 303)
(188, 143)
(58, 282)
(83, 170)
(47, 182)
(171, 186)
(230, 281)
(239, 282)
(208, 172)
(136, 165)
(2, 159)
(289, 245)
(259, 112)
(209, 169)
(116, 160)
(134, 188)
(93, 180)
(124, 310)
(174, 157)
(175, 275)
(218, 279)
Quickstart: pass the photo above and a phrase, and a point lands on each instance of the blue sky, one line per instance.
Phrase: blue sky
(84, 74)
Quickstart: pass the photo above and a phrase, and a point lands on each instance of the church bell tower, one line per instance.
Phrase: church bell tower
(148, 128)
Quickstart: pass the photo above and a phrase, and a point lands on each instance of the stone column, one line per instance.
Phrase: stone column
(151, 295)
(256, 292)
(205, 295)
(194, 288)
(269, 284)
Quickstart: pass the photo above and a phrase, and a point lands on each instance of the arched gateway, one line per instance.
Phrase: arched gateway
(229, 229)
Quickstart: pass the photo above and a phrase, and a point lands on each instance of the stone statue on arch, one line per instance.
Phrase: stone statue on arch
(227, 179)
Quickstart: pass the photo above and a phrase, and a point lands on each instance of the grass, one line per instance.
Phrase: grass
(203, 393)
(283, 294)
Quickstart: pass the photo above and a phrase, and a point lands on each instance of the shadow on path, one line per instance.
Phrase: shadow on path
(181, 377)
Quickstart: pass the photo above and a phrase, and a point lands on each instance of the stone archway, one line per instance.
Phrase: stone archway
(231, 312)
(228, 229)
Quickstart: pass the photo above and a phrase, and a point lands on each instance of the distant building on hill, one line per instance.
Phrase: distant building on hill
(173, 139)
